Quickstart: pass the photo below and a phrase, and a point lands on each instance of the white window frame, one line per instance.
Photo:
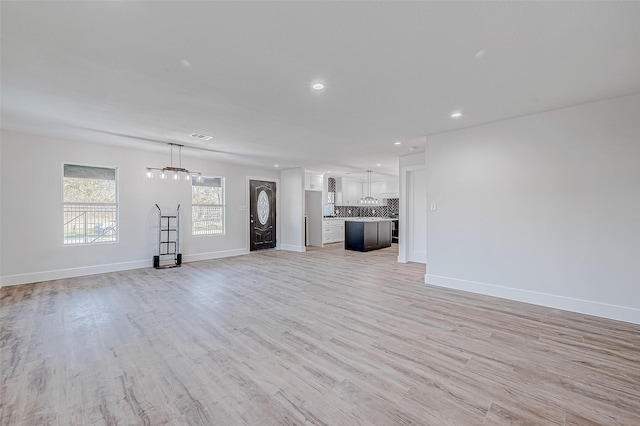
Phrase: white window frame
(207, 230)
(93, 223)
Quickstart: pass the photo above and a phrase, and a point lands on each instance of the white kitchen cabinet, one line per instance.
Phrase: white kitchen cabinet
(390, 188)
(332, 231)
(351, 192)
(376, 191)
(312, 182)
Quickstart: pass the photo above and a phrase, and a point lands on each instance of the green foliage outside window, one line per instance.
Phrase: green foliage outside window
(78, 190)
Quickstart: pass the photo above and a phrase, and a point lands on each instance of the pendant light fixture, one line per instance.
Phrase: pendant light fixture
(175, 173)
(368, 199)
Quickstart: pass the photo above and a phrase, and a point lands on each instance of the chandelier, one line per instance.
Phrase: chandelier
(171, 171)
(369, 199)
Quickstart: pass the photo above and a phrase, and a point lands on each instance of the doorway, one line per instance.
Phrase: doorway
(416, 216)
(262, 215)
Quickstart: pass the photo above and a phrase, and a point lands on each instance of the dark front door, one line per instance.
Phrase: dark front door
(262, 220)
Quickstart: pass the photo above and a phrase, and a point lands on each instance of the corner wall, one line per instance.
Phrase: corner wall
(544, 209)
(1, 198)
(31, 228)
(292, 201)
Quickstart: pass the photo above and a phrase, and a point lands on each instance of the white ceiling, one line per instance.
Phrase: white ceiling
(143, 73)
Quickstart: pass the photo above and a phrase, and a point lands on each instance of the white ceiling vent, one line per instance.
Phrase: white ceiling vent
(201, 136)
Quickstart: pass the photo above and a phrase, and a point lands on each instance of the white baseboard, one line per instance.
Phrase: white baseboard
(214, 255)
(289, 247)
(59, 274)
(620, 313)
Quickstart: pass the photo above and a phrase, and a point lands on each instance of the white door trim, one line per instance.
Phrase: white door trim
(403, 214)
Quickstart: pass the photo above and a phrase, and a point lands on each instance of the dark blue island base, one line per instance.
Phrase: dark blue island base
(366, 235)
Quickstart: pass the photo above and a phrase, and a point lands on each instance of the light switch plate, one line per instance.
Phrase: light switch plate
(434, 207)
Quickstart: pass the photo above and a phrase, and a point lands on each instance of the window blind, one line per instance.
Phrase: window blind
(88, 172)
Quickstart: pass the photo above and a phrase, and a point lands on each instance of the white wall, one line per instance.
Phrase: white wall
(1, 198)
(544, 209)
(292, 202)
(31, 228)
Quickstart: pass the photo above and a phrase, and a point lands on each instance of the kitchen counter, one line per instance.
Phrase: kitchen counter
(368, 219)
(358, 219)
(366, 234)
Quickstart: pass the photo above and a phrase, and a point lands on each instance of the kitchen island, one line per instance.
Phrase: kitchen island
(366, 234)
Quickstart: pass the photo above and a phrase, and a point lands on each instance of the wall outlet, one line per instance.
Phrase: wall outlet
(434, 207)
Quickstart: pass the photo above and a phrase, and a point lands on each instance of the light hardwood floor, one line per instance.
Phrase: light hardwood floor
(325, 337)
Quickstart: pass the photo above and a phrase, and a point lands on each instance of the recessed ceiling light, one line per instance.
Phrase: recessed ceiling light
(479, 54)
(397, 143)
(201, 136)
(317, 86)
(378, 165)
(276, 165)
(456, 114)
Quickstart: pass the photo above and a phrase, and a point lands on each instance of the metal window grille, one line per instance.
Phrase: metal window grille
(90, 205)
(207, 219)
(90, 223)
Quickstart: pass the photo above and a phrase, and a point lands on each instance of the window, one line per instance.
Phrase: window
(90, 204)
(207, 202)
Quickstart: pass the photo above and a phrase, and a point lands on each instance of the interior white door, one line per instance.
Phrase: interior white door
(417, 216)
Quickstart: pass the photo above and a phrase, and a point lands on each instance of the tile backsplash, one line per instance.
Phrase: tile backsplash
(393, 204)
(331, 184)
(368, 211)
